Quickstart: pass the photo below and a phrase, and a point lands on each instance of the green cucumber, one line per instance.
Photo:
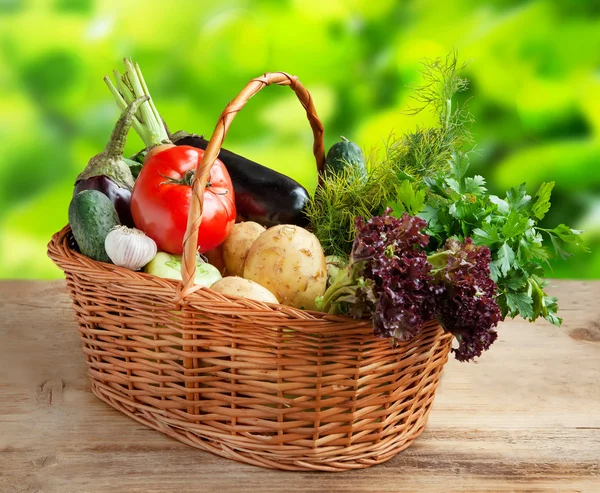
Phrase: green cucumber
(345, 154)
(91, 216)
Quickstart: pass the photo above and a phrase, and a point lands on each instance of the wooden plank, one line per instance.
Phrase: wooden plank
(525, 417)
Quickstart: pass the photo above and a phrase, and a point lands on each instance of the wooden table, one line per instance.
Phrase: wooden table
(525, 417)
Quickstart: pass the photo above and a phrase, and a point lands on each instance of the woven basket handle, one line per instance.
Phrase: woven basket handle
(188, 266)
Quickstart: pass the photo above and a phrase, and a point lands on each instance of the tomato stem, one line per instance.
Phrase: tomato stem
(186, 179)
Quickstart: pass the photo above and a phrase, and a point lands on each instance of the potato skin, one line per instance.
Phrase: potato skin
(289, 261)
(236, 246)
(237, 286)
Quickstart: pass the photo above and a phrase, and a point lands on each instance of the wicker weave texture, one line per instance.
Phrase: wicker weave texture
(268, 385)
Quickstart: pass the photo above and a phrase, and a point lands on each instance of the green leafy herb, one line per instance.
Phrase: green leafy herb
(458, 205)
(541, 204)
(404, 159)
(518, 303)
(506, 258)
(341, 198)
(508, 226)
(426, 172)
(425, 151)
(408, 199)
(563, 235)
(517, 198)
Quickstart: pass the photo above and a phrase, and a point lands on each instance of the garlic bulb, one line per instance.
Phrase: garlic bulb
(129, 247)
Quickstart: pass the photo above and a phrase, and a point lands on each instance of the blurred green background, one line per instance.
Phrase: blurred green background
(535, 92)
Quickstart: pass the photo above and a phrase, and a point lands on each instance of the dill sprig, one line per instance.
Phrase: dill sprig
(338, 200)
(411, 156)
(442, 80)
(426, 151)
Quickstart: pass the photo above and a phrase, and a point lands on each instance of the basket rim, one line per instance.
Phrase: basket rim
(59, 250)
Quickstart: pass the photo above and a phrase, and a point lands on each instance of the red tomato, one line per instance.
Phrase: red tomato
(160, 200)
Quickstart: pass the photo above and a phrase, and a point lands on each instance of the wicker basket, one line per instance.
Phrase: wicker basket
(263, 384)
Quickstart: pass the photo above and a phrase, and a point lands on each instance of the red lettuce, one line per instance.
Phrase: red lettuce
(468, 308)
(390, 277)
(401, 294)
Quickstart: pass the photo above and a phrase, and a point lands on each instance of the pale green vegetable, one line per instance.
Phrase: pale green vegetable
(169, 266)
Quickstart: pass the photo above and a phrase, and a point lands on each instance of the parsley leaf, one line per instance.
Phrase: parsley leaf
(568, 235)
(551, 305)
(488, 235)
(516, 280)
(408, 199)
(519, 304)
(430, 215)
(506, 258)
(563, 235)
(517, 198)
(541, 204)
(515, 224)
(475, 185)
(454, 185)
(465, 210)
(502, 205)
(529, 250)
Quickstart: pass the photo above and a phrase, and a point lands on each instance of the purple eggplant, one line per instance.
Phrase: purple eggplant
(119, 196)
(262, 194)
(108, 173)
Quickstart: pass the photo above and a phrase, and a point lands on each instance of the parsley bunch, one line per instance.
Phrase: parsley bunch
(456, 205)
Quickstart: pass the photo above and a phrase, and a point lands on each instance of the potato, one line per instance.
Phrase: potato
(288, 261)
(237, 286)
(237, 244)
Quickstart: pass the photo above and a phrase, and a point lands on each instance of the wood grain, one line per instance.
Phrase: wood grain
(525, 417)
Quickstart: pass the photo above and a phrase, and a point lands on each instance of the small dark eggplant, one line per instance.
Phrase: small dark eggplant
(108, 173)
(119, 196)
(262, 195)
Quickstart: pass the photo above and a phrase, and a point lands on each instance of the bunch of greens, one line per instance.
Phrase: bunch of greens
(458, 206)
(341, 198)
(390, 277)
(425, 173)
(426, 151)
(387, 276)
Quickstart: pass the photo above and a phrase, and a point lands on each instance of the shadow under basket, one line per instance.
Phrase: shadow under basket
(267, 385)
